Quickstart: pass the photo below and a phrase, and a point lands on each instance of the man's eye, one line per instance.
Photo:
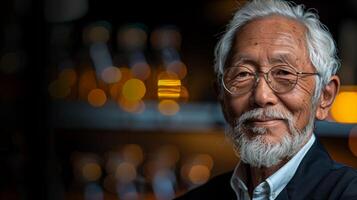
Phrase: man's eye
(243, 74)
(282, 73)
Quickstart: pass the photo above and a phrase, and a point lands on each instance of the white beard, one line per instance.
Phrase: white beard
(256, 150)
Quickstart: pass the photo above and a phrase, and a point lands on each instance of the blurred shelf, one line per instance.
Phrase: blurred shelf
(191, 117)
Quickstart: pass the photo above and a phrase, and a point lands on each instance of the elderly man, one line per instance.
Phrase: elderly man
(276, 66)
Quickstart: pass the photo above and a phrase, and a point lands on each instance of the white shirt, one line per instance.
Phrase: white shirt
(270, 188)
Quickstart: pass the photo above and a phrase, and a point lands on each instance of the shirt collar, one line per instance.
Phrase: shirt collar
(276, 181)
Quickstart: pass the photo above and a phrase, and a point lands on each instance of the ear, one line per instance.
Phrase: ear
(327, 97)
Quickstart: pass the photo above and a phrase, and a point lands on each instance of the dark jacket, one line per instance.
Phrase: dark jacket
(317, 177)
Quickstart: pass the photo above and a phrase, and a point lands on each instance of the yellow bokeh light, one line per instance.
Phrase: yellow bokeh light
(344, 108)
(352, 140)
(199, 174)
(125, 172)
(169, 86)
(97, 97)
(111, 74)
(68, 77)
(134, 89)
(91, 171)
(59, 90)
(168, 107)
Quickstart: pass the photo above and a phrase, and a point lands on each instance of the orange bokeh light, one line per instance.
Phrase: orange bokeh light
(97, 97)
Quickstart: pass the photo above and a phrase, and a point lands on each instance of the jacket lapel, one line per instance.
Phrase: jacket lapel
(314, 166)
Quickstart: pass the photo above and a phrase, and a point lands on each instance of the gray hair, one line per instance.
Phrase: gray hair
(320, 44)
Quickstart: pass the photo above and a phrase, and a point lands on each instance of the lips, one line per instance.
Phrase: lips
(263, 122)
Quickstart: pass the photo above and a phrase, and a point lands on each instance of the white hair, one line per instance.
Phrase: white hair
(320, 44)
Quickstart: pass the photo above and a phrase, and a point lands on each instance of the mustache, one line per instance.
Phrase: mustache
(263, 114)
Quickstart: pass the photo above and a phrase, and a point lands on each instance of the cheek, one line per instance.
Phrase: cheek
(299, 105)
(239, 105)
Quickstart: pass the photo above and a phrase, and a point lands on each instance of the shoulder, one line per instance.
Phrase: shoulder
(341, 181)
(216, 188)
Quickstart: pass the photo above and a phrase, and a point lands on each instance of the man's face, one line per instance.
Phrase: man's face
(261, 45)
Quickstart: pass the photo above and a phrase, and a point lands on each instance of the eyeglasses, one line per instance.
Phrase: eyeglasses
(281, 79)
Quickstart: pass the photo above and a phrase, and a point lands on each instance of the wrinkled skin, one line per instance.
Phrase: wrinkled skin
(262, 44)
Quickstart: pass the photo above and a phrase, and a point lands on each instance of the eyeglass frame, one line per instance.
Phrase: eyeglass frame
(265, 74)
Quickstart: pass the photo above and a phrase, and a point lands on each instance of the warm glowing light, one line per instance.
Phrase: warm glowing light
(168, 107)
(133, 153)
(68, 76)
(125, 172)
(204, 159)
(199, 174)
(141, 70)
(169, 86)
(87, 82)
(344, 108)
(131, 106)
(179, 68)
(111, 74)
(352, 140)
(59, 90)
(91, 171)
(97, 97)
(134, 90)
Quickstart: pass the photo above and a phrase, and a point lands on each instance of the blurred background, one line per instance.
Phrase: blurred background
(115, 99)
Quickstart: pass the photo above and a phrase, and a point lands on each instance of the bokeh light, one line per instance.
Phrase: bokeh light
(111, 74)
(136, 106)
(97, 97)
(169, 86)
(134, 89)
(204, 159)
(141, 70)
(132, 36)
(91, 171)
(168, 107)
(97, 32)
(125, 172)
(199, 174)
(133, 153)
(352, 140)
(166, 37)
(179, 68)
(87, 82)
(344, 109)
(68, 77)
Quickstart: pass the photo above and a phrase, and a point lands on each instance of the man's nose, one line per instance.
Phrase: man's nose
(263, 95)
